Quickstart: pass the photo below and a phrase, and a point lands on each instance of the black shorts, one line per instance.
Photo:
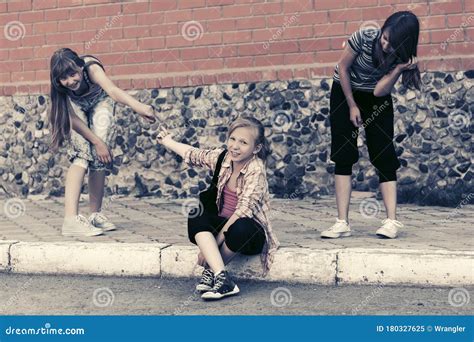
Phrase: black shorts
(377, 117)
(245, 236)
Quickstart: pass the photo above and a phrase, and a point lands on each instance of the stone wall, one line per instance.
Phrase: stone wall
(432, 136)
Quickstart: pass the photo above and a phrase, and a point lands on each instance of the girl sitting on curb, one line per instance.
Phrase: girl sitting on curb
(240, 224)
(82, 111)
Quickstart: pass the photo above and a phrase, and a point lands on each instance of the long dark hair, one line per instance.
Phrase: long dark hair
(248, 121)
(63, 63)
(403, 30)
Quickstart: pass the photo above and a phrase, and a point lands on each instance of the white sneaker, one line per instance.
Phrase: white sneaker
(101, 221)
(79, 226)
(389, 228)
(339, 229)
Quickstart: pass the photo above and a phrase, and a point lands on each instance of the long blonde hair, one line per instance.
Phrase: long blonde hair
(247, 121)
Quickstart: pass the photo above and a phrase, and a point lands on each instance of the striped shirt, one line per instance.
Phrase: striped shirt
(364, 75)
(252, 192)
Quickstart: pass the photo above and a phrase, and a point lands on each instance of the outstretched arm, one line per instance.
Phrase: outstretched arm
(166, 139)
(98, 76)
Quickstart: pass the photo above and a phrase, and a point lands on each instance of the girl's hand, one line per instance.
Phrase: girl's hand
(410, 65)
(164, 136)
(355, 117)
(103, 152)
(149, 113)
(201, 261)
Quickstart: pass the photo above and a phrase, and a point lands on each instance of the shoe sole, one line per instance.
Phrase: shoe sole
(203, 288)
(81, 235)
(386, 236)
(346, 234)
(231, 293)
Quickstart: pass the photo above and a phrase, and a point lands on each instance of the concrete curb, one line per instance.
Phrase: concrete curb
(295, 265)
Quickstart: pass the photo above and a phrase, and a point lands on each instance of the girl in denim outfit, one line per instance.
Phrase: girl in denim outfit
(82, 113)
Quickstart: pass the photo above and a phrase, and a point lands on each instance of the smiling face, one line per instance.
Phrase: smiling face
(384, 41)
(71, 80)
(241, 144)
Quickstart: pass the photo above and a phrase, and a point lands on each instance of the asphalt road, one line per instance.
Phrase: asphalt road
(86, 295)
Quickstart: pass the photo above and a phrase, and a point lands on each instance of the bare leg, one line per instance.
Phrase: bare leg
(96, 190)
(74, 180)
(208, 246)
(226, 253)
(389, 195)
(343, 196)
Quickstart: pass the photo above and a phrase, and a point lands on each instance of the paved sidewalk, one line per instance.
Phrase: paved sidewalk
(435, 247)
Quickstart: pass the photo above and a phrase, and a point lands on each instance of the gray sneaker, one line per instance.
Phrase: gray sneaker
(207, 281)
(101, 221)
(79, 226)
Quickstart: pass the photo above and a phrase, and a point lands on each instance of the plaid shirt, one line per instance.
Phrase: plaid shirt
(252, 192)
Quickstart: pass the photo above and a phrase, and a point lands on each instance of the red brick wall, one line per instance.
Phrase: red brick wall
(146, 44)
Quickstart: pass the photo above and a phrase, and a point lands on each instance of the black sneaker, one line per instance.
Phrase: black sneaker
(223, 287)
(207, 281)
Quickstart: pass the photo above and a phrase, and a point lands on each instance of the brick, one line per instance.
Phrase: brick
(178, 16)
(336, 29)
(57, 14)
(110, 59)
(225, 78)
(44, 4)
(70, 25)
(31, 17)
(151, 43)
(363, 3)
(236, 11)
(194, 53)
(297, 6)
(261, 35)
(152, 68)
(123, 45)
(298, 32)
(209, 39)
(342, 15)
(449, 35)
(163, 5)
(150, 18)
(23, 76)
(284, 75)
(456, 21)
(240, 62)
(41, 75)
(191, 4)
(269, 60)
(250, 23)
(375, 13)
(23, 53)
(82, 12)
(11, 66)
(58, 38)
(98, 46)
(314, 44)
(338, 43)
(125, 69)
(209, 64)
(138, 83)
(219, 2)
(195, 80)
(164, 30)
(110, 34)
(19, 6)
(222, 51)
(328, 56)
(42, 28)
(178, 66)
(221, 25)
(310, 18)
(177, 41)
(138, 57)
(444, 8)
(266, 8)
(127, 20)
(237, 37)
(433, 22)
(134, 8)
(252, 50)
(301, 73)
(300, 58)
(30, 40)
(3, 55)
(109, 9)
(207, 13)
(3, 7)
(136, 32)
(283, 47)
(209, 79)
(181, 81)
(328, 4)
(165, 55)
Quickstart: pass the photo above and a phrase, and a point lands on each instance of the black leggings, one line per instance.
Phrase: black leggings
(244, 236)
(377, 118)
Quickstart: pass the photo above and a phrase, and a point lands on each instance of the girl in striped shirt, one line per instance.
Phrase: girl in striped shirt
(368, 69)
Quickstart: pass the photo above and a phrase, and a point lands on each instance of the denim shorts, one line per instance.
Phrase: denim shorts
(100, 119)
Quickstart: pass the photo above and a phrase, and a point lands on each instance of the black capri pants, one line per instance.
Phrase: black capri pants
(245, 236)
(377, 118)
